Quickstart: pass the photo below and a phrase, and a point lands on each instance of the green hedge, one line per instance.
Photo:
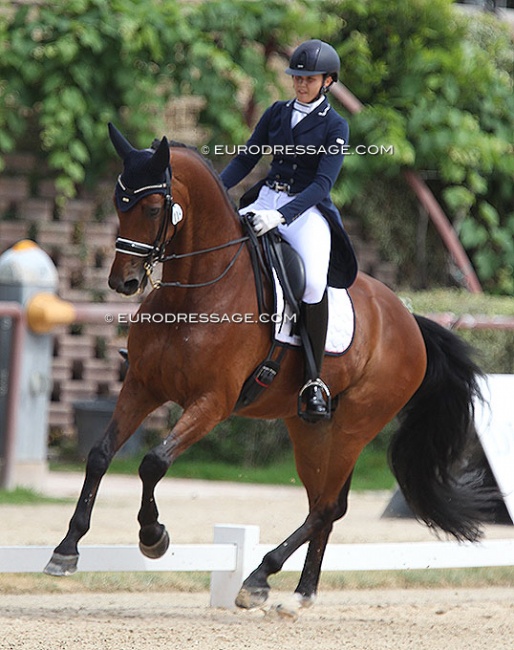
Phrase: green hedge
(494, 348)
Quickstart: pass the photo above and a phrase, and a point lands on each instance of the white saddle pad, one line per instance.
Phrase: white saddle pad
(341, 320)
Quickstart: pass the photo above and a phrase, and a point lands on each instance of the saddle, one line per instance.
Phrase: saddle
(276, 257)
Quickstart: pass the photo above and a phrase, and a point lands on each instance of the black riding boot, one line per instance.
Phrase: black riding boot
(315, 406)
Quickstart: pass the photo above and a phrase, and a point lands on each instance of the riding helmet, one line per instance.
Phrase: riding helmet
(314, 57)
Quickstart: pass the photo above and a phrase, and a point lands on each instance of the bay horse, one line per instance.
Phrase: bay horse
(397, 365)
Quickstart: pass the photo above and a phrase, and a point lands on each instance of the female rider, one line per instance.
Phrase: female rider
(307, 139)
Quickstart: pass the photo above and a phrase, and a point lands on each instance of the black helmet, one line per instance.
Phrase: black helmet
(314, 57)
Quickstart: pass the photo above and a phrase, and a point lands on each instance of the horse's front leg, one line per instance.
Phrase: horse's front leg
(133, 405)
(196, 421)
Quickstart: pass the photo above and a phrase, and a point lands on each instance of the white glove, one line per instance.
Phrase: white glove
(265, 220)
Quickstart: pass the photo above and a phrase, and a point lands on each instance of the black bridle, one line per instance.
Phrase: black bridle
(155, 253)
(151, 252)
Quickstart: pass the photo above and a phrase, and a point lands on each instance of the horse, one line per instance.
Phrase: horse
(399, 365)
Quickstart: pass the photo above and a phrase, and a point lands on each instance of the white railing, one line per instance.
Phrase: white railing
(236, 552)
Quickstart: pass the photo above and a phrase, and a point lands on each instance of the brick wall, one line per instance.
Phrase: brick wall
(79, 238)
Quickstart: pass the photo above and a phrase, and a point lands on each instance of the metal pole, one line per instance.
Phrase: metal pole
(16, 312)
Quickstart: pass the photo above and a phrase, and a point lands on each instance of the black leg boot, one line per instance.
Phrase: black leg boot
(315, 396)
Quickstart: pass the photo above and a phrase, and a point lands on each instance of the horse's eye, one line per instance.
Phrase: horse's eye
(153, 212)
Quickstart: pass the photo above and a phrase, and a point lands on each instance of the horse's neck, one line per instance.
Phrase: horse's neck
(209, 221)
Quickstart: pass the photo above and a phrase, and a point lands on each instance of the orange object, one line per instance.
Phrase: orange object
(46, 311)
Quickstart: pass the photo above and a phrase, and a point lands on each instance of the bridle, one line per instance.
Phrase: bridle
(152, 252)
(155, 253)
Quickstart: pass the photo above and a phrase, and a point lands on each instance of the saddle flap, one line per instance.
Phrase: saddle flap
(289, 268)
(294, 268)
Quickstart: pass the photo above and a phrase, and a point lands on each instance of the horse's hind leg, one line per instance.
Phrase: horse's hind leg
(255, 589)
(308, 585)
(133, 405)
(305, 593)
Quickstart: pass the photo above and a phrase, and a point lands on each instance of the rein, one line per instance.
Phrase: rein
(157, 284)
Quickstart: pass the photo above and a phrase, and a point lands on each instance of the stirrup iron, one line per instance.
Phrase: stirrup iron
(312, 416)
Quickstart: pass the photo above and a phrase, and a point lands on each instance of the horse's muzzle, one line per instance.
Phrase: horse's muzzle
(128, 286)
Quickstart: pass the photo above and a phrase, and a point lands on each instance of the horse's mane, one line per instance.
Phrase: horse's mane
(176, 143)
(210, 167)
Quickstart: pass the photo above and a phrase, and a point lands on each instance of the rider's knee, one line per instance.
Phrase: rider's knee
(314, 289)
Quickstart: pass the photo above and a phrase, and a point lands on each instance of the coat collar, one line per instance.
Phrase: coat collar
(285, 122)
(310, 120)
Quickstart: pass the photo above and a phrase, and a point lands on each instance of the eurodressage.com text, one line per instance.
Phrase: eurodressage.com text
(298, 149)
(201, 318)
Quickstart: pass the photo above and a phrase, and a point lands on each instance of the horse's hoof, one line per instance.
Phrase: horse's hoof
(61, 565)
(306, 601)
(250, 597)
(158, 549)
(283, 612)
(289, 608)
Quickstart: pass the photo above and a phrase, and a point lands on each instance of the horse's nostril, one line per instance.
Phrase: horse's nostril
(126, 283)
(114, 282)
(130, 287)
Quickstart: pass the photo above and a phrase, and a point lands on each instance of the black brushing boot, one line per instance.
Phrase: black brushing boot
(314, 398)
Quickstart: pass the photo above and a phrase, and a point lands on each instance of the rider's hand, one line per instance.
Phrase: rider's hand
(265, 220)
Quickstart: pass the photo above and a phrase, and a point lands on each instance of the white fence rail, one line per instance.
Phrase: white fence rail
(236, 552)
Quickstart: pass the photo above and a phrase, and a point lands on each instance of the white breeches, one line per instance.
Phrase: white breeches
(309, 235)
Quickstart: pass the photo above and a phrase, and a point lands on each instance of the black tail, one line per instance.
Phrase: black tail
(428, 452)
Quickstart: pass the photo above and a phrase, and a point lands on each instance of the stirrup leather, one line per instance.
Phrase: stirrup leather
(313, 416)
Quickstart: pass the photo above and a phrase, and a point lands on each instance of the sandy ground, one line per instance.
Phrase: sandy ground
(363, 620)
(358, 619)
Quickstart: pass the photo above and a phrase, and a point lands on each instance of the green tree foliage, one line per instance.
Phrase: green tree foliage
(67, 68)
(438, 86)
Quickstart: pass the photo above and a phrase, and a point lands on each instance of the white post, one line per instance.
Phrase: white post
(225, 585)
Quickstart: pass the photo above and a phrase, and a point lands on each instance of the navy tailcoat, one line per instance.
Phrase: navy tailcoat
(308, 158)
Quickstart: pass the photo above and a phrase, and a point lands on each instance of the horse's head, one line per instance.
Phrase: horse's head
(143, 202)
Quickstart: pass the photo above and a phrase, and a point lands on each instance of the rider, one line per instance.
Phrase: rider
(307, 139)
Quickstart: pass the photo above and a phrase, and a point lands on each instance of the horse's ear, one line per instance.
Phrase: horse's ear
(120, 142)
(161, 157)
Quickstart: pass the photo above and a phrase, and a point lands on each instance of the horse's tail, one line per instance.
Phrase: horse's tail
(428, 452)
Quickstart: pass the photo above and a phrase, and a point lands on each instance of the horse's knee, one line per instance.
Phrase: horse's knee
(153, 466)
(331, 515)
(320, 519)
(98, 460)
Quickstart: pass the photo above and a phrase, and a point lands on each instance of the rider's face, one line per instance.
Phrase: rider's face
(307, 88)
